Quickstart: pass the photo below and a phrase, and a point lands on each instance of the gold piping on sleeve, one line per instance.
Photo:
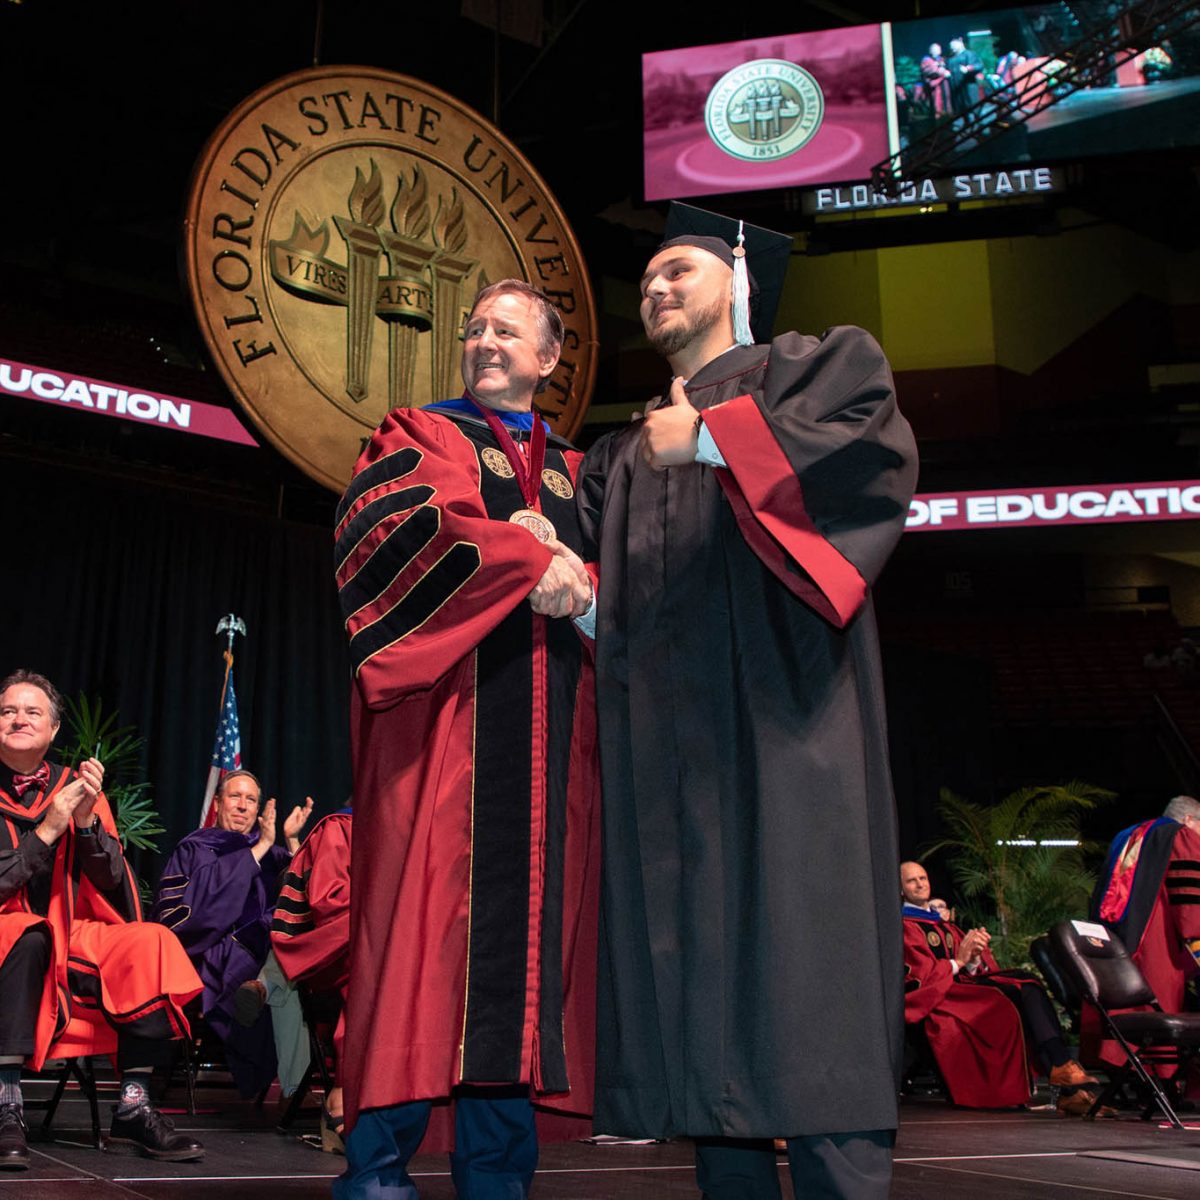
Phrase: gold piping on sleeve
(401, 600)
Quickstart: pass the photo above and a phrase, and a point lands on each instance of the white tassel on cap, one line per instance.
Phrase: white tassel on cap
(741, 292)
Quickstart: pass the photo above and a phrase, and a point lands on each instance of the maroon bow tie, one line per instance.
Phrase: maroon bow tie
(40, 777)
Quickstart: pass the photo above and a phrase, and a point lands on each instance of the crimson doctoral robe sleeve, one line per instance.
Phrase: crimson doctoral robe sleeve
(310, 930)
(120, 902)
(820, 467)
(423, 574)
(927, 979)
(1182, 884)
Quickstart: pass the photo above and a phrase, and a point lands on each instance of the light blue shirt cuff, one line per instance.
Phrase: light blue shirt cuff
(586, 622)
(707, 451)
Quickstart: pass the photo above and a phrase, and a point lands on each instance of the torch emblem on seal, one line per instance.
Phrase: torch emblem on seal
(407, 264)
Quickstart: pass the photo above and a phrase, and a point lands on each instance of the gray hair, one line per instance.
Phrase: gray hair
(1183, 806)
(549, 321)
(228, 779)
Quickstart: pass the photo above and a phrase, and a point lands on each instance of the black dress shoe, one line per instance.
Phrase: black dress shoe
(249, 1001)
(146, 1130)
(14, 1146)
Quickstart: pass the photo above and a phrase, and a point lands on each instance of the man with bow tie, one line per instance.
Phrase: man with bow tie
(71, 931)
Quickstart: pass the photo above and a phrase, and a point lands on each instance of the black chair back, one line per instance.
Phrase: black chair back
(1100, 968)
(1063, 990)
(1096, 961)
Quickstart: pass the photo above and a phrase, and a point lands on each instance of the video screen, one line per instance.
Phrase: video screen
(1013, 61)
(787, 111)
(804, 110)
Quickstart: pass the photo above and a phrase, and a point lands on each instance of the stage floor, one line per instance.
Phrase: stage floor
(942, 1154)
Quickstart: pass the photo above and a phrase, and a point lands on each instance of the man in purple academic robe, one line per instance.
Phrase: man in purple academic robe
(218, 893)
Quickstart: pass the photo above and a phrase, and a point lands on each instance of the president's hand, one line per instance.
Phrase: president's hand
(669, 434)
(564, 589)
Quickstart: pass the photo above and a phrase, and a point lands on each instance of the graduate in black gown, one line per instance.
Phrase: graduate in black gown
(966, 76)
(751, 974)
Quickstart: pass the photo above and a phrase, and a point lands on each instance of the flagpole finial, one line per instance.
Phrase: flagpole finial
(230, 624)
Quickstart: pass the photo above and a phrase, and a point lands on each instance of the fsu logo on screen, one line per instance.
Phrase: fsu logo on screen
(764, 110)
(339, 224)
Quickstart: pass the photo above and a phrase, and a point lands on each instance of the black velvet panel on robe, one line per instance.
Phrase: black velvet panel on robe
(500, 869)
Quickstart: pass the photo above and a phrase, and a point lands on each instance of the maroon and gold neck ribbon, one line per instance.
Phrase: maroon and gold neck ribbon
(527, 470)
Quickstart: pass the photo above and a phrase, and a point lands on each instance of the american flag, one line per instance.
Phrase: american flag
(227, 750)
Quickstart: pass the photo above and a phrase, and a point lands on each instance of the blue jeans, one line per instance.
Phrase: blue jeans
(495, 1148)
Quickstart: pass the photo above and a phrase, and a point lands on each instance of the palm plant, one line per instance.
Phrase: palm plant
(1021, 864)
(90, 732)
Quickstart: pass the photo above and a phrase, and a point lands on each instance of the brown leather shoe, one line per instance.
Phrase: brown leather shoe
(1070, 1074)
(1079, 1104)
(14, 1145)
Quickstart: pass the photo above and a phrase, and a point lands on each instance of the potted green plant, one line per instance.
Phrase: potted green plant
(90, 732)
(1020, 865)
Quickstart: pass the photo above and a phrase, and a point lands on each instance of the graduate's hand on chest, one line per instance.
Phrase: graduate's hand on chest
(669, 433)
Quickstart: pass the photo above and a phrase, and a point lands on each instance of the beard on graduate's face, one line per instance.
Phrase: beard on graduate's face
(679, 328)
(686, 292)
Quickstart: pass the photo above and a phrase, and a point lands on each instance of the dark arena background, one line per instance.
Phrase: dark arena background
(1039, 302)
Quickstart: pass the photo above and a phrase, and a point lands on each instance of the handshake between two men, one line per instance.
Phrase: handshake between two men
(565, 588)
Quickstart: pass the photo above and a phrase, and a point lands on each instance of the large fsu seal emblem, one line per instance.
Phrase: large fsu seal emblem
(764, 109)
(339, 224)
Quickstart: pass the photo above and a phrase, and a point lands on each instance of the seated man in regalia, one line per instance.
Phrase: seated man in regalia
(72, 937)
(986, 1027)
(218, 893)
(310, 934)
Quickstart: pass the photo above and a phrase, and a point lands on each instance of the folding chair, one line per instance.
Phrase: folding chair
(87, 1035)
(1096, 962)
(201, 1053)
(321, 1012)
(1060, 986)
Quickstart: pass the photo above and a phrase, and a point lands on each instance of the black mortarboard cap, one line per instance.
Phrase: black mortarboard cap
(767, 256)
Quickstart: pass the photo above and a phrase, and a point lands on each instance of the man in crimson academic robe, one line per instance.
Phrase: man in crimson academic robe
(936, 77)
(974, 1033)
(972, 1039)
(475, 859)
(71, 932)
(1149, 895)
(738, 529)
(310, 933)
(217, 893)
(310, 927)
